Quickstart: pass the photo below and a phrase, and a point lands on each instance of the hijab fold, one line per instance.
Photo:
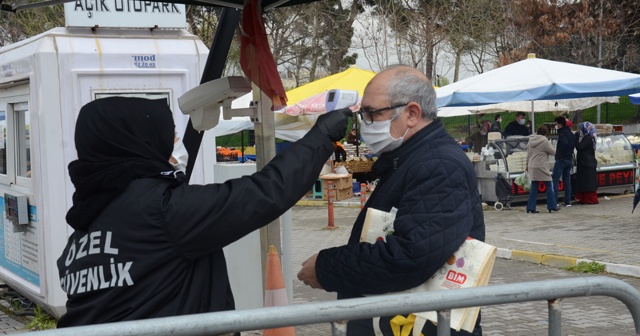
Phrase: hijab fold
(118, 140)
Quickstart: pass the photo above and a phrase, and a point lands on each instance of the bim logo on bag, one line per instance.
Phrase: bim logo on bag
(454, 279)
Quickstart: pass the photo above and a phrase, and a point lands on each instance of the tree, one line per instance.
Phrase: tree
(567, 31)
(15, 27)
(312, 39)
(472, 32)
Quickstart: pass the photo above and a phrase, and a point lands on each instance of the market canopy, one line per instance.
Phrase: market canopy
(528, 106)
(238, 124)
(350, 79)
(537, 79)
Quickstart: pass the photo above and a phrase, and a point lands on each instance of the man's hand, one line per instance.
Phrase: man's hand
(308, 273)
(334, 123)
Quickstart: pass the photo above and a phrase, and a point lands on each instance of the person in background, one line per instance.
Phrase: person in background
(148, 244)
(480, 138)
(539, 148)
(419, 165)
(564, 160)
(518, 126)
(568, 121)
(586, 164)
(495, 126)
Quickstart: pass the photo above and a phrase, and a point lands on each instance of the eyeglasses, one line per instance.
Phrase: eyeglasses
(367, 115)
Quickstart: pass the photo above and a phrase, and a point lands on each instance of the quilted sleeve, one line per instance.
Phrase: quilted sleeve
(435, 215)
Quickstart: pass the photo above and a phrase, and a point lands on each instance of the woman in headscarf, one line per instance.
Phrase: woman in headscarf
(586, 181)
(148, 244)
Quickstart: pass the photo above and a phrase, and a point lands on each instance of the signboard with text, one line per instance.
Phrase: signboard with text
(124, 14)
(605, 179)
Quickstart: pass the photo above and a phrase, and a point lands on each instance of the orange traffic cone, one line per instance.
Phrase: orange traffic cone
(275, 293)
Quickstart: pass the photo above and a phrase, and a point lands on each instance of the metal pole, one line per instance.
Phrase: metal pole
(339, 328)
(533, 120)
(555, 317)
(361, 308)
(330, 196)
(599, 53)
(363, 195)
(444, 322)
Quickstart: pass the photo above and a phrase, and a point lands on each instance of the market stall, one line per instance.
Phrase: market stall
(503, 159)
(616, 164)
(507, 158)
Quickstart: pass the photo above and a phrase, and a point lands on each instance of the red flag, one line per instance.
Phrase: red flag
(256, 59)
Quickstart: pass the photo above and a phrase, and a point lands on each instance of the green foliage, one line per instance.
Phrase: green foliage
(587, 267)
(616, 114)
(15, 27)
(41, 320)
(442, 81)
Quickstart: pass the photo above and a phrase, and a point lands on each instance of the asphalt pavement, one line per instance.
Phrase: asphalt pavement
(530, 247)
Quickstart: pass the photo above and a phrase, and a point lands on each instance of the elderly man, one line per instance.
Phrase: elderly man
(424, 175)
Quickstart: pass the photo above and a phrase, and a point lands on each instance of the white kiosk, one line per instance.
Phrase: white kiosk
(44, 81)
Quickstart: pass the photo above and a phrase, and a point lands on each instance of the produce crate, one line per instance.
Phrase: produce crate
(339, 194)
(340, 181)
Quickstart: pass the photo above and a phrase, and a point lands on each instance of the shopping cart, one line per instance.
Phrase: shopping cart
(503, 193)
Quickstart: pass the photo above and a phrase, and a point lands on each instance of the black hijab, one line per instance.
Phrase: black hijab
(118, 140)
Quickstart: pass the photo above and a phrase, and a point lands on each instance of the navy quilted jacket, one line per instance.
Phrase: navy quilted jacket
(432, 183)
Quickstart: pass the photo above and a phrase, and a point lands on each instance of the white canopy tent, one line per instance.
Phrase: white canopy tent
(238, 124)
(535, 79)
(526, 106)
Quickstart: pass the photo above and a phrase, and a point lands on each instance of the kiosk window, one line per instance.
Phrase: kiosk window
(23, 139)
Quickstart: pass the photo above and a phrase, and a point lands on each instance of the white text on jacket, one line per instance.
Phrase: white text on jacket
(110, 274)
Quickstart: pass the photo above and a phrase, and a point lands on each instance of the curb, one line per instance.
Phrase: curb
(564, 261)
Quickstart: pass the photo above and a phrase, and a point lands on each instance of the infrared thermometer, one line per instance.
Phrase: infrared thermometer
(337, 99)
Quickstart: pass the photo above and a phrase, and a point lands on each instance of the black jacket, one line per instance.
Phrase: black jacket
(432, 183)
(586, 165)
(156, 249)
(566, 144)
(495, 127)
(514, 128)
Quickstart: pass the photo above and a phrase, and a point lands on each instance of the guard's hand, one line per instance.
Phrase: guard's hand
(334, 123)
(308, 273)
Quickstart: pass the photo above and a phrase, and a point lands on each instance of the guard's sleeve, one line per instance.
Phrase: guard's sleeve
(435, 216)
(200, 219)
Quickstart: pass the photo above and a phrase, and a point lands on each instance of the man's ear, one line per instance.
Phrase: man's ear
(414, 114)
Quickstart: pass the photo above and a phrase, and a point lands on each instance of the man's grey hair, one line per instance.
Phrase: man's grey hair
(407, 86)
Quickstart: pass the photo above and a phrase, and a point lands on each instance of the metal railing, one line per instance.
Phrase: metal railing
(352, 309)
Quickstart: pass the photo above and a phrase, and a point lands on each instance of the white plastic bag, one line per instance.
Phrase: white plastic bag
(523, 181)
(341, 170)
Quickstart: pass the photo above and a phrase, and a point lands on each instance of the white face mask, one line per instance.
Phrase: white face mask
(378, 136)
(521, 121)
(181, 155)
